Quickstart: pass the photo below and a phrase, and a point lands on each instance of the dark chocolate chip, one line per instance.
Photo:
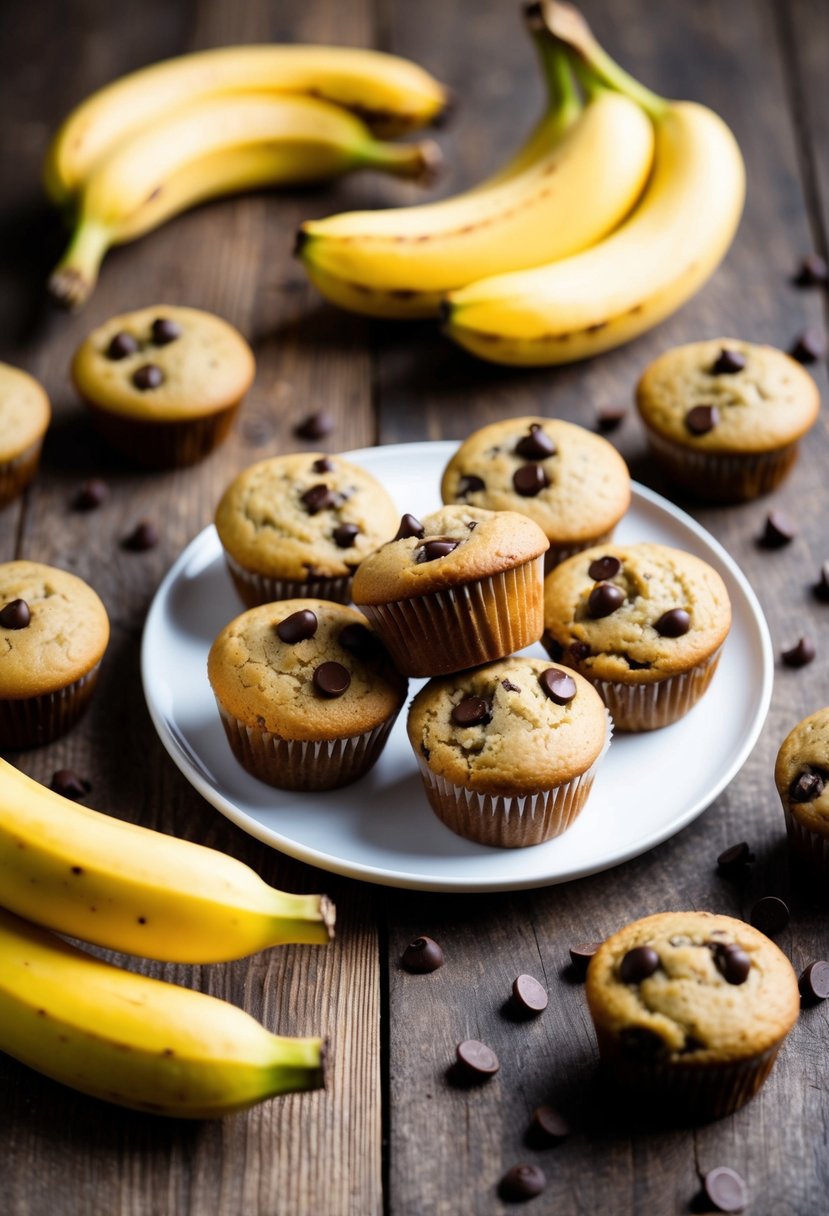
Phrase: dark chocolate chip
(821, 587)
(536, 445)
(323, 464)
(604, 567)
(813, 271)
(165, 331)
(122, 344)
(16, 614)
(410, 525)
(732, 962)
(331, 679)
(578, 651)
(529, 480)
(529, 996)
(611, 417)
(735, 857)
(799, 655)
(67, 782)
(673, 623)
(636, 664)
(581, 955)
(778, 531)
(638, 964)
(470, 484)
(145, 535)
(91, 495)
(315, 426)
(810, 346)
(808, 785)
(728, 362)
(521, 1183)
(604, 599)
(345, 535)
(548, 1127)
(472, 711)
(509, 686)
(558, 686)
(476, 1060)
(702, 419)
(149, 375)
(770, 915)
(639, 1043)
(814, 982)
(433, 549)
(320, 498)
(297, 627)
(725, 1189)
(421, 956)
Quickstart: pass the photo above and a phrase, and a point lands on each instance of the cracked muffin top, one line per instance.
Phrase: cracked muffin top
(24, 412)
(514, 726)
(801, 772)
(304, 515)
(634, 614)
(53, 629)
(691, 986)
(304, 669)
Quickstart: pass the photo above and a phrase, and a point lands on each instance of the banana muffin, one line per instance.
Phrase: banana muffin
(724, 417)
(300, 525)
(574, 484)
(163, 384)
(306, 693)
(644, 623)
(690, 1010)
(801, 774)
(460, 588)
(24, 418)
(508, 751)
(53, 634)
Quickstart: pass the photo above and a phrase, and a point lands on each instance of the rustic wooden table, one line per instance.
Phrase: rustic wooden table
(390, 1135)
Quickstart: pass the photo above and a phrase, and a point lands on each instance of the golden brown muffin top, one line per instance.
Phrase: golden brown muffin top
(802, 771)
(24, 412)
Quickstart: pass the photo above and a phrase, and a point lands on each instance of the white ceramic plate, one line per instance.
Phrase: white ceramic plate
(381, 828)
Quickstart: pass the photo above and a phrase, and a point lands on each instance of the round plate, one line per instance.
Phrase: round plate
(381, 828)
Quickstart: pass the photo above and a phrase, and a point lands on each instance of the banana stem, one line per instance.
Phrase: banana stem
(562, 94)
(420, 161)
(75, 275)
(298, 1064)
(303, 920)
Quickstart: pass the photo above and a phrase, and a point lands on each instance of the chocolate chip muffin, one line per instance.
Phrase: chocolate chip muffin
(644, 623)
(53, 634)
(724, 417)
(690, 1010)
(306, 693)
(508, 751)
(573, 483)
(801, 774)
(163, 384)
(24, 417)
(460, 588)
(300, 525)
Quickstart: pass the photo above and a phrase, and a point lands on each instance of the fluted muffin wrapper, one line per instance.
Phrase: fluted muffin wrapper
(722, 476)
(32, 721)
(15, 474)
(640, 707)
(171, 444)
(808, 845)
(464, 626)
(301, 764)
(256, 589)
(556, 554)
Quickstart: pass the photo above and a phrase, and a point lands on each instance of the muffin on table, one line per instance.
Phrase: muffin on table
(53, 634)
(801, 774)
(163, 384)
(723, 417)
(460, 588)
(573, 483)
(24, 417)
(690, 1010)
(300, 524)
(644, 623)
(306, 693)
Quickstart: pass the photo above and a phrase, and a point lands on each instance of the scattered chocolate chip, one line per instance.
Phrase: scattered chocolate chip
(320, 498)
(604, 599)
(470, 484)
(529, 480)
(509, 686)
(735, 857)
(808, 785)
(814, 982)
(602, 568)
(521, 1183)
(536, 445)
(145, 535)
(472, 711)
(638, 964)
(297, 627)
(812, 272)
(821, 587)
(725, 1189)
(770, 915)
(581, 955)
(410, 525)
(777, 531)
(673, 623)
(323, 464)
(528, 995)
(557, 685)
(810, 346)
(578, 651)
(16, 614)
(548, 1127)
(149, 375)
(636, 665)
(732, 962)
(345, 535)
(476, 1060)
(799, 655)
(315, 426)
(433, 549)
(702, 419)
(67, 782)
(165, 331)
(421, 956)
(91, 495)
(611, 417)
(331, 679)
(122, 344)
(728, 362)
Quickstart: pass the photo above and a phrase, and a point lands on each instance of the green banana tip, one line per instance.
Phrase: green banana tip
(301, 241)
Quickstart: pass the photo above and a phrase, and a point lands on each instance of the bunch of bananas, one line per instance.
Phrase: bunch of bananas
(616, 210)
(164, 138)
(116, 1034)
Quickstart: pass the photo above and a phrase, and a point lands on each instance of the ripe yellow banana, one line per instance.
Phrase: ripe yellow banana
(642, 272)
(212, 147)
(137, 1041)
(577, 186)
(390, 93)
(116, 884)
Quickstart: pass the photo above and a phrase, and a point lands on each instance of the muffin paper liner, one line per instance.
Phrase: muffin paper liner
(722, 477)
(164, 445)
(31, 721)
(639, 707)
(16, 474)
(299, 764)
(807, 845)
(473, 623)
(556, 554)
(256, 589)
